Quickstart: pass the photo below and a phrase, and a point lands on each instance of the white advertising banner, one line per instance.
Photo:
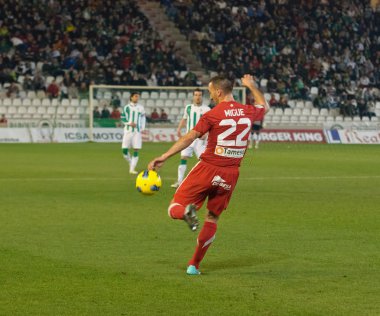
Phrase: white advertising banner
(46, 134)
(346, 136)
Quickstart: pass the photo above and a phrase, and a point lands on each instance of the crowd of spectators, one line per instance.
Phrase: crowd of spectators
(291, 45)
(104, 42)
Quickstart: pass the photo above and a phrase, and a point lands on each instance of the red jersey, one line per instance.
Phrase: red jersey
(229, 125)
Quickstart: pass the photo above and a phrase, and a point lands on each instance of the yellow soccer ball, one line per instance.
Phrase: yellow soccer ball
(148, 182)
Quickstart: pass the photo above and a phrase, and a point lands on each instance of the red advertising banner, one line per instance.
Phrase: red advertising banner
(292, 135)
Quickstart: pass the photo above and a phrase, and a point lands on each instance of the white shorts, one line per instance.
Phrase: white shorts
(132, 140)
(198, 146)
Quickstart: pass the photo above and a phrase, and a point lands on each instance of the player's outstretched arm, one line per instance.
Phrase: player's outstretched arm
(181, 144)
(249, 82)
(180, 126)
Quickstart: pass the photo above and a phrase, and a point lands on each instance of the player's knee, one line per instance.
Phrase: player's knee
(211, 217)
(172, 206)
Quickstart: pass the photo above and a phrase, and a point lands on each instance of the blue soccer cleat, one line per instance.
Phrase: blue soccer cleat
(192, 270)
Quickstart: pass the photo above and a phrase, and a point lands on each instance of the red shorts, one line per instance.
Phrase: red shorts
(208, 181)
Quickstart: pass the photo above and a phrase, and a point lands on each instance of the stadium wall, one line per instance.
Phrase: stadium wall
(45, 134)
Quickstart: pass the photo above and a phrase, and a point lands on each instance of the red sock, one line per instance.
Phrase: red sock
(205, 238)
(176, 211)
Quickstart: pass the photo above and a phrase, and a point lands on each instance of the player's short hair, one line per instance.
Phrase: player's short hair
(222, 83)
(132, 94)
(197, 90)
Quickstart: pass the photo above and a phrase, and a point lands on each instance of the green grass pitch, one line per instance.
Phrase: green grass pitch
(301, 235)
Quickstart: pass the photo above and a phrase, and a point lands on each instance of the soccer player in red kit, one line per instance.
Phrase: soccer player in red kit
(216, 174)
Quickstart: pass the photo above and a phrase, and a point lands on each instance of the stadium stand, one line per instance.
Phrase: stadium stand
(320, 61)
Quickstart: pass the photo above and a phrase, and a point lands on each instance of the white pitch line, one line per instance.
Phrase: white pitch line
(172, 178)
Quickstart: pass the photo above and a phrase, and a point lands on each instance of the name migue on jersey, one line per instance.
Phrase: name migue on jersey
(234, 112)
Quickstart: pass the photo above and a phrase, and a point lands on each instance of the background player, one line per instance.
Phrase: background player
(191, 116)
(215, 175)
(133, 117)
(255, 133)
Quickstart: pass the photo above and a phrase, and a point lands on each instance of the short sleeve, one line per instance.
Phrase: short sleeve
(204, 124)
(258, 112)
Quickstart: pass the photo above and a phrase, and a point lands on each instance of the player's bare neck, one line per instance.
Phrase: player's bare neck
(227, 98)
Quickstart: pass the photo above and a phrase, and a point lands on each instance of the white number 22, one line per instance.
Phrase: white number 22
(239, 138)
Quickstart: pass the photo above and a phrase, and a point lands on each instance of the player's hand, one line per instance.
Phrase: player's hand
(132, 124)
(248, 81)
(156, 163)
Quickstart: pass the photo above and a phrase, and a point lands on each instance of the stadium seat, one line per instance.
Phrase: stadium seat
(303, 119)
(288, 111)
(292, 103)
(365, 119)
(41, 110)
(276, 119)
(127, 94)
(3, 109)
(314, 91)
(7, 102)
(308, 104)
(178, 103)
(181, 95)
(16, 102)
(51, 110)
(36, 102)
(322, 119)
(263, 84)
(163, 95)
(347, 119)
(65, 102)
(80, 110)
(144, 95)
(172, 95)
(314, 112)
(84, 102)
(74, 102)
(22, 110)
(324, 112)
(154, 95)
(278, 111)
(355, 119)
(174, 111)
(61, 110)
(159, 103)
(300, 104)
(45, 102)
(374, 119)
(150, 103)
(267, 96)
(294, 119)
(306, 112)
(377, 105)
(26, 102)
(277, 96)
(41, 94)
(31, 95)
(339, 118)
(169, 103)
(296, 112)
(54, 102)
(32, 110)
(70, 110)
(329, 119)
(285, 119)
(49, 80)
(312, 119)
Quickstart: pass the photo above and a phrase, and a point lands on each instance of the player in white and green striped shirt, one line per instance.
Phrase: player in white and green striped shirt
(193, 113)
(133, 117)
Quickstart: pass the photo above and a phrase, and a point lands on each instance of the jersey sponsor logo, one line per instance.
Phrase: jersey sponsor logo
(229, 152)
(234, 112)
(218, 181)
